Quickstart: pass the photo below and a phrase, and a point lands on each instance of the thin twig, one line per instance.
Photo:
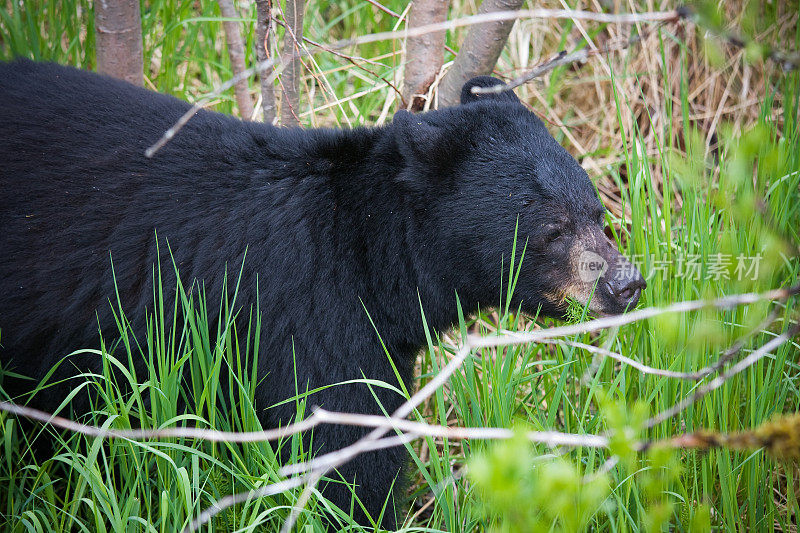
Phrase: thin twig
(300, 504)
(210, 435)
(234, 499)
(192, 111)
(726, 302)
(269, 490)
(641, 367)
(319, 416)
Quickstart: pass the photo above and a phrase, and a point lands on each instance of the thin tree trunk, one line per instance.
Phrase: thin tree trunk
(118, 38)
(290, 80)
(425, 53)
(479, 52)
(263, 52)
(236, 53)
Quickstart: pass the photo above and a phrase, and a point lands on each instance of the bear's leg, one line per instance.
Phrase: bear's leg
(378, 479)
(378, 476)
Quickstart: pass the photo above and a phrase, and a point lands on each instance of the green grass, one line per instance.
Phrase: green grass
(746, 204)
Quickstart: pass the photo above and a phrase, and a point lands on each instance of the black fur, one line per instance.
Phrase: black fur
(334, 221)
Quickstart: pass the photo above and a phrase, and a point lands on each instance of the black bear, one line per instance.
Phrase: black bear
(336, 224)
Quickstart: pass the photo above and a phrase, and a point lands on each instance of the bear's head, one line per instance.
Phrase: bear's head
(487, 169)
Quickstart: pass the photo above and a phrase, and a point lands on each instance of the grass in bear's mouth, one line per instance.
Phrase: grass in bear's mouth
(693, 151)
(576, 312)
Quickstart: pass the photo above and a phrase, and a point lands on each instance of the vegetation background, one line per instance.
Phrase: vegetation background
(693, 146)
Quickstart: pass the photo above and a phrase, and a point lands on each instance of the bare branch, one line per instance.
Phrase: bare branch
(234, 499)
(236, 53)
(211, 435)
(641, 367)
(319, 466)
(424, 53)
(473, 342)
(192, 111)
(411, 431)
(778, 437)
(398, 422)
(290, 82)
(479, 51)
(549, 438)
(323, 464)
(264, 34)
(301, 502)
(319, 416)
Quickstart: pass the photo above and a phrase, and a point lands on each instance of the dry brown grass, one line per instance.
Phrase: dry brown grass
(580, 104)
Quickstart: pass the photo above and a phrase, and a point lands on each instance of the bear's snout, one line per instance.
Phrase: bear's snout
(603, 277)
(624, 285)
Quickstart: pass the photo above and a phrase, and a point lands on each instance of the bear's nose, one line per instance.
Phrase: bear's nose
(627, 289)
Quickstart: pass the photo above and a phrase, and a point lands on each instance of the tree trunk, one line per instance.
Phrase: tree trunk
(292, 44)
(264, 52)
(236, 53)
(425, 53)
(479, 52)
(118, 38)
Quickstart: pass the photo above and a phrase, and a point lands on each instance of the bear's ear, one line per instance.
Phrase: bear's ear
(418, 139)
(468, 96)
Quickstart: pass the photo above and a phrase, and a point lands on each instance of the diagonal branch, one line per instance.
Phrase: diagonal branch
(479, 52)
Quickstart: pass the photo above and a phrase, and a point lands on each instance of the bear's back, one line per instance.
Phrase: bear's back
(77, 193)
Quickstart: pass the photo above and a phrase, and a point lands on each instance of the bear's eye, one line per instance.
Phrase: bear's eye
(552, 233)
